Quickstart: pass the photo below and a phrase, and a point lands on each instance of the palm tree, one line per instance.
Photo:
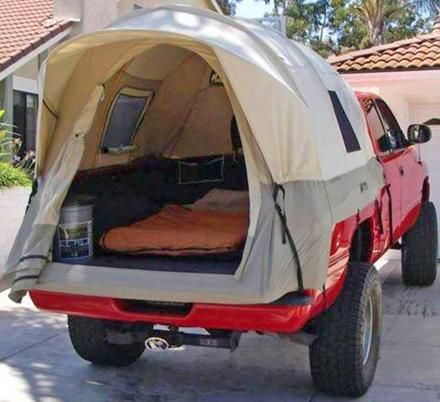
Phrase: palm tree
(430, 6)
(377, 12)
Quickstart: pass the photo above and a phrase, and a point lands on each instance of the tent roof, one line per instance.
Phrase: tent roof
(282, 86)
(240, 37)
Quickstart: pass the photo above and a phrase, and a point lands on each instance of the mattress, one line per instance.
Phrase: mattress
(216, 224)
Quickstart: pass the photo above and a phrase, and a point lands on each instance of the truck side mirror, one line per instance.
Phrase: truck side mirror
(419, 134)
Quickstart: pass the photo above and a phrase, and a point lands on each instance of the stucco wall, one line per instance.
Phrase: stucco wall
(12, 207)
(88, 14)
(29, 70)
(400, 89)
(97, 14)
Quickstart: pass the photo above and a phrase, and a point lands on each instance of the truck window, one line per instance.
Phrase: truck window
(392, 128)
(376, 126)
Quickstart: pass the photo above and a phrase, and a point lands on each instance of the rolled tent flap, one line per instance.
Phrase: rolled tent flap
(43, 214)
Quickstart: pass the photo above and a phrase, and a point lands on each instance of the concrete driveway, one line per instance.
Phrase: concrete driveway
(37, 362)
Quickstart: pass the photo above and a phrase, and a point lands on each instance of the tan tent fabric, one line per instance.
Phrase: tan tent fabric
(172, 104)
(279, 93)
(186, 77)
(50, 198)
(207, 130)
(171, 114)
(158, 62)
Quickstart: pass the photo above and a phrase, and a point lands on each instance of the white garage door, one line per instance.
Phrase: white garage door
(430, 151)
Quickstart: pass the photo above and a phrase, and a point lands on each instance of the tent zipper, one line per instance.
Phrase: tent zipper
(286, 234)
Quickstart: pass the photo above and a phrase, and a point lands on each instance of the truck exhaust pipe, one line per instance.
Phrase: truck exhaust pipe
(160, 340)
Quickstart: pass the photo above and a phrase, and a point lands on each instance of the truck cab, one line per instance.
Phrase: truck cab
(404, 172)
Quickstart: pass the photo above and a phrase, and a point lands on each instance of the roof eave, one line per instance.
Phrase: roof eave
(34, 49)
(387, 70)
(371, 77)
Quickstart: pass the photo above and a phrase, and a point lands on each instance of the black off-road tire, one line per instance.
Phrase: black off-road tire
(337, 355)
(420, 248)
(89, 339)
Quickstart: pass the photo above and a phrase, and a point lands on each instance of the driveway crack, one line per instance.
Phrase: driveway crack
(31, 346)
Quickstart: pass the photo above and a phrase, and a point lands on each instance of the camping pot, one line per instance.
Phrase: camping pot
(74, 233)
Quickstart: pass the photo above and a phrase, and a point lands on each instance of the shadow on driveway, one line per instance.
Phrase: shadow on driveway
(37, 362)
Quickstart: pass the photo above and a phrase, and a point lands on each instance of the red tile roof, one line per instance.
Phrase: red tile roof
(24, 26)
(420, 52)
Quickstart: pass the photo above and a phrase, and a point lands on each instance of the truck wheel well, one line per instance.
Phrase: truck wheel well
(360, 250)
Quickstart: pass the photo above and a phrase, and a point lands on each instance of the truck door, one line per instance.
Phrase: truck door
(390, 197)
(410, 171)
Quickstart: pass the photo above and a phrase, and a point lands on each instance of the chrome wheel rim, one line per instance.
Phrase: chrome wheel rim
(367, 335)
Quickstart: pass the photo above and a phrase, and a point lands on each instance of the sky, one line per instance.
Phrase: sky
(253, 8)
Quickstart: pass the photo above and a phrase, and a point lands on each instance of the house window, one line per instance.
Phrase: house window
(125, 115)
(348, 135)
(25, 119)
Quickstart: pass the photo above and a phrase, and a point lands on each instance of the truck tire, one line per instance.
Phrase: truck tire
(344, 356)
(419, 249)
(89, 339)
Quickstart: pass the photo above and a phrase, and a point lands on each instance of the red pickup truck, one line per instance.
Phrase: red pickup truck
(342, 324)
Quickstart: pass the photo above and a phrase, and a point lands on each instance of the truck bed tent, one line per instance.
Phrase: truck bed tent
(308, 157)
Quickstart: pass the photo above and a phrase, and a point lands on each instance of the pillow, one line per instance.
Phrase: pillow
(223, 200)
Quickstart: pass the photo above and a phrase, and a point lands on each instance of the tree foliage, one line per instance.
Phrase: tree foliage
(10, 175)
(228, 6)
(336, 26)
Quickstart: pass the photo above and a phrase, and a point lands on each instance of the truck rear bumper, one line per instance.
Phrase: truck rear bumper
(268, 318)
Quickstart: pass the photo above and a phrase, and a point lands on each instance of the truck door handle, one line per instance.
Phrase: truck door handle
(401, 170)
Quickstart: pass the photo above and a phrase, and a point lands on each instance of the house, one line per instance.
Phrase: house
(28, 30)
(31, 28)
(406, 74)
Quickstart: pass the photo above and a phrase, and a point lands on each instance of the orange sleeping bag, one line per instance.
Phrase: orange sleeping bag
(180, 231)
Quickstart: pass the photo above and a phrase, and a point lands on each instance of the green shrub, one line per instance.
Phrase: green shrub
(10, 142)
(11, 176)
(14, 170)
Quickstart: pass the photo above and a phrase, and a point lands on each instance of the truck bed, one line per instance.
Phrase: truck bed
(225, 265)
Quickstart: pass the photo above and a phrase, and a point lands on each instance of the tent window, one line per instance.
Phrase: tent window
(125, 115)
(350, 140)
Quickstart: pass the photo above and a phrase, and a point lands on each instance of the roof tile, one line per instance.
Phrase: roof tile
(25, 25)
(422, 51)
